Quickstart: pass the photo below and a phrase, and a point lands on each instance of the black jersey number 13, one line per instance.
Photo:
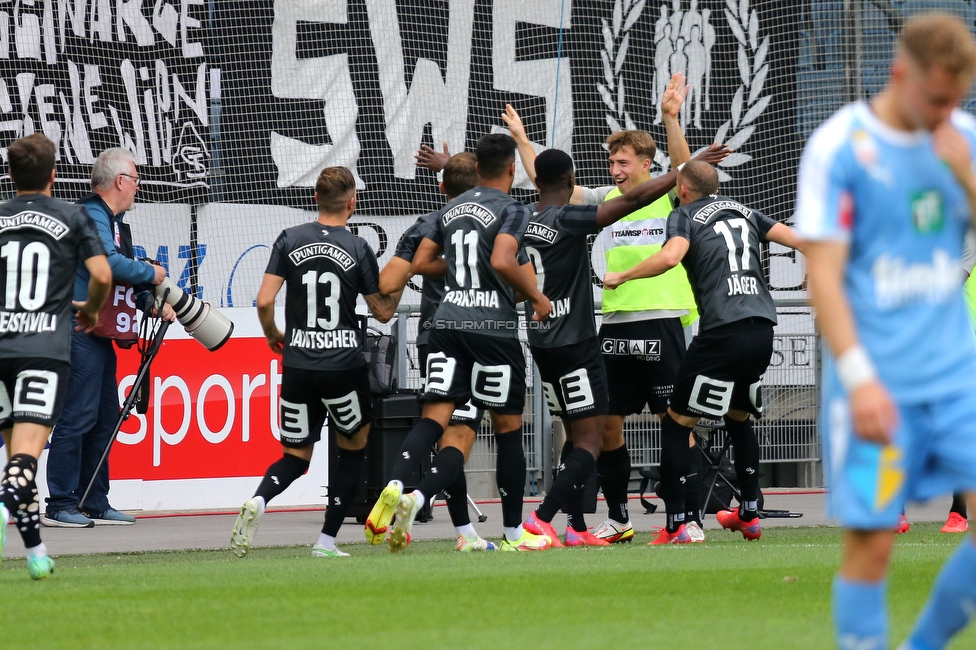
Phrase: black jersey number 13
(330, 299)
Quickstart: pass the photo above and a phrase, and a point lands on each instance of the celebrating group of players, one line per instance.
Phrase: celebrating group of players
(482, 254)
(886, 192)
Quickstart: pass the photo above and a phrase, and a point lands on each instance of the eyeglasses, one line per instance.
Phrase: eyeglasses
(136, 179)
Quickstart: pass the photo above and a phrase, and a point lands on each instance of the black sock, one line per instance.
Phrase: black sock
(674, 467)
(457, 501)
(958, 504)
(280, 475)
(510, 476)
(444, 470)
(693, 483)
(417, 443)
(576, 468)
(347, 478)
(18, 492)
(574, 504)
(746, 447)
(675, 521)
(613, 468)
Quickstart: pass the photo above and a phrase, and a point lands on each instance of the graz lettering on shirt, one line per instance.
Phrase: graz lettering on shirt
(739, 286)
(472, 210)
(539, 231)
(642, 348)
(560, 307)
(896, 282)
(703, 215)
(472, 298)
(27, 322)
(30, 219)
(331, 340)
(328, 251)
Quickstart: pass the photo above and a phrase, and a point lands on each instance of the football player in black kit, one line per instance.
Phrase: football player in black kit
(42, 241)
(324, 267)
(474, 352)
(566, 348)
(460, 175)
(717, 240)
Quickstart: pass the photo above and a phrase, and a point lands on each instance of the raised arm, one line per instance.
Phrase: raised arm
(671, 102)
(427, 158)
(670, 255)
(505, 263)
(527, 152)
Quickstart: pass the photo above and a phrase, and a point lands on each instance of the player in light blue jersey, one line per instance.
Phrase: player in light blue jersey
(885, 193)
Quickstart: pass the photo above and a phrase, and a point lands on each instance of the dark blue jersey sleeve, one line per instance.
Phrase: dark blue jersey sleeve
(515, 219)
(276, 264)
(369, 271)
(579, 220)
(763, 223)
(678, 225)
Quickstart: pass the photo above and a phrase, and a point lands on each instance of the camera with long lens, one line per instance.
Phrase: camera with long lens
(198, 318)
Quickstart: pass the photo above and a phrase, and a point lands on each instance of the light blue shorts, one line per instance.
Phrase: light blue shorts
(933, 453)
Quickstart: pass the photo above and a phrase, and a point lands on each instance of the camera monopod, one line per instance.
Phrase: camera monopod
(150, 340)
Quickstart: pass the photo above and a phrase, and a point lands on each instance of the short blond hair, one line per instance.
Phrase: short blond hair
(940, 39)
(334, 187)
(640, 141)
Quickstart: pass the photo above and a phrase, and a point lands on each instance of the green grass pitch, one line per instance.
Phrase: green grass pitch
(726, 593)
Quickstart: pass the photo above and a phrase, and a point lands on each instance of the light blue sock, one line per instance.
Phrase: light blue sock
(860, 619)
(952, 601)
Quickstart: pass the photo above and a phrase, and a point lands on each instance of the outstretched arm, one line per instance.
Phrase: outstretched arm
(670, 255)
(650, 191)
(395, 275)
(671, 102)
(785, 236)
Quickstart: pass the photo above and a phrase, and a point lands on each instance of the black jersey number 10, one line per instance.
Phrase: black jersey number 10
(27, 275)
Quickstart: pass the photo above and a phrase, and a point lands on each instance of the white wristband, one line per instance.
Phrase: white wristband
(854, 368)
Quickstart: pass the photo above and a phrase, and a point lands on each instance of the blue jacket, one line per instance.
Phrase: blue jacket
(118, 243)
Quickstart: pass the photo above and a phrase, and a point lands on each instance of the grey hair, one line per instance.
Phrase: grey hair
(109, 165)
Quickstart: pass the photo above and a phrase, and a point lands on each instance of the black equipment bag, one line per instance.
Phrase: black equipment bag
(381, 353)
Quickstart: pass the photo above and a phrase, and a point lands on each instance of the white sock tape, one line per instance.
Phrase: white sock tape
(855, 368)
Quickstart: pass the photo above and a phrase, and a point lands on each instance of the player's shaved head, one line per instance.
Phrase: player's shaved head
(940, 40)
(699, 177)
(640, 142)
(495, 153)
(31, 160)
(333, 189)
(460, 174)
(553, 168)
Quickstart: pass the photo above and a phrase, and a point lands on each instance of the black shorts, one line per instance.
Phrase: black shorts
(488, 370)
(469, 414)
(642, 361)
(723, 369)
(574, 379)
(307, 396)
(32, 390)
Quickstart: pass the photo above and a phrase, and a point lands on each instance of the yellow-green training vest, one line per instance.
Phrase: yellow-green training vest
(629, 242)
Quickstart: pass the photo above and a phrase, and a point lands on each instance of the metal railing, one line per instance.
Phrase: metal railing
(788, 431)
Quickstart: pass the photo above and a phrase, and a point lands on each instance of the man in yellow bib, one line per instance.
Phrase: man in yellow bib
(641, 336)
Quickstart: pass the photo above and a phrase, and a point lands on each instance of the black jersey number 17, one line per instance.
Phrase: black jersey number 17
(722, 228)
